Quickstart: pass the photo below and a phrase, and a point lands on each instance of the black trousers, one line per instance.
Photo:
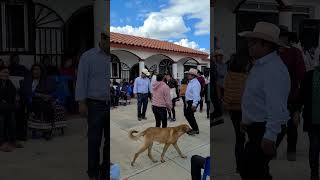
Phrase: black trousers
(236, 117)
(208, 108)
(217, 104)
(7, 127)
(98, 127)
(189, 115)
(291, 130)
(22, 122)
(314, 149)
(255, 164)
(160, 114)
(173, 111)
(197, 163)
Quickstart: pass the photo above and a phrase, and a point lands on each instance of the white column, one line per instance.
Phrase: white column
(141, 66)
(175, 70)
(101, 9)
(199, 67)
(285, 18)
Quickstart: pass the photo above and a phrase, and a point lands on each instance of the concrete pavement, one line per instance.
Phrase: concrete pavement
(65, 157)
(124, 118)
(222, 146)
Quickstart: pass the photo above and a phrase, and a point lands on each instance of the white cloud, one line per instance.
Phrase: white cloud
(190, 44)
(169, 22)
(156, 26)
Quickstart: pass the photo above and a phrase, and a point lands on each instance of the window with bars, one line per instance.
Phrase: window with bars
(14, 26)
(115, 67)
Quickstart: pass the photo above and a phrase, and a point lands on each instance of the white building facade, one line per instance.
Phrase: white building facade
(53, 28)
(242, 15)
(128, 59)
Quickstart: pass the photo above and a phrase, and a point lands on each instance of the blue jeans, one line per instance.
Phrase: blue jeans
(98, 112)
(142, 105)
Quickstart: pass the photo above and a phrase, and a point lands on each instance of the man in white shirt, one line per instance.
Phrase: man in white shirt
(192, 100)
(141, 90)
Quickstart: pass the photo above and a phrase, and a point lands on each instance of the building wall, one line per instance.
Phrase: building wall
(226, 32)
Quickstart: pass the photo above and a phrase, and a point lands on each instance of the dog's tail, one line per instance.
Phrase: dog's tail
(133, 137)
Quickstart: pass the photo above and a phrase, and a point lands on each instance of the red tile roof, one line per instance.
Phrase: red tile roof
(135, 41)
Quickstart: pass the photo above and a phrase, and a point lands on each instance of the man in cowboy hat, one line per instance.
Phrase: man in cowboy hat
(293, 59)
(94, 102)
(141, 90)
(264, 102)
(192, 100)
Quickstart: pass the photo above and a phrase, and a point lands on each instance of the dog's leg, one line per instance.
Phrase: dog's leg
(141, 150)
(175, 145)
(166, 146)
(150, 155)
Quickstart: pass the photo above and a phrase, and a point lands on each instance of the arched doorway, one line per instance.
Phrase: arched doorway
(165, 66)
(134, 71)
(191, 63)
(79, 31)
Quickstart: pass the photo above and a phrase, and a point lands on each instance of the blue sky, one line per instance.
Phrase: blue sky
(184, 22)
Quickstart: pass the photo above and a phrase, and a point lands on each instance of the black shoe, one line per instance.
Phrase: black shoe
(173, 119)
(192, 132)
(139, 118)
(145, 118)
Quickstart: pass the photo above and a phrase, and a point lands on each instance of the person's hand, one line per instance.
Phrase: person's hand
(194, 109)
(296, 118)
(83, 109)
(268, 147)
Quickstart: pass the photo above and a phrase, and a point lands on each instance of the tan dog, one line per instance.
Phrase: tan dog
(165, 136)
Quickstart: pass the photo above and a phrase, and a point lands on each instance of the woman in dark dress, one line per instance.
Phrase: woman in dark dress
(38, 88)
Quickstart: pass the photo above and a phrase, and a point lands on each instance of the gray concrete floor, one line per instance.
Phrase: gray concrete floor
(122, 148)
(222, 146)
(65, 158)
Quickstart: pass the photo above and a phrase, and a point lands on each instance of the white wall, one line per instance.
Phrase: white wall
(225, 26)
(65, 8)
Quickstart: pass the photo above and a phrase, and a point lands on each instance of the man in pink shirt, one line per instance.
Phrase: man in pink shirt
(161, 101)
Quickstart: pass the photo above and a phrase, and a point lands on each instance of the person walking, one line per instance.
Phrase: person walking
(174, 92)
(192, 100)
(141, 90)
(234, 84)
(161, 101)
(293, 59)
(94, 101)
(310, 96)
(268, 85)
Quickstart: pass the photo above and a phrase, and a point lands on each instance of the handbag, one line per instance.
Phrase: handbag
(233, 89)
(173, 93)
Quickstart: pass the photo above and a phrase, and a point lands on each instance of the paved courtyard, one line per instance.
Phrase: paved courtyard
(64, 158)
(122, 149)
(222, 146)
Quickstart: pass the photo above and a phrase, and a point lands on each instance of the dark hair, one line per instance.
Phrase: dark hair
(184, 81)
(160, 77)
(169, 74)
(240, 61)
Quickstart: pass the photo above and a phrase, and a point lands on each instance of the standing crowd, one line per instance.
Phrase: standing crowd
(266, 87)
(34, 100)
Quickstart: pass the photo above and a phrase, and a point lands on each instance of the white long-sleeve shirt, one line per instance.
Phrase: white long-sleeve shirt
(193, 92)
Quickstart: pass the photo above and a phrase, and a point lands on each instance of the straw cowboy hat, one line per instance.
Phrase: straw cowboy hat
(146, 72)
(218, 52)
(265, 31)
(192, 71)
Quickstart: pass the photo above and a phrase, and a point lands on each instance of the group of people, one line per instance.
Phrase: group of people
(266, 88)
(164, 91)
(24, 94)
(121, 92)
